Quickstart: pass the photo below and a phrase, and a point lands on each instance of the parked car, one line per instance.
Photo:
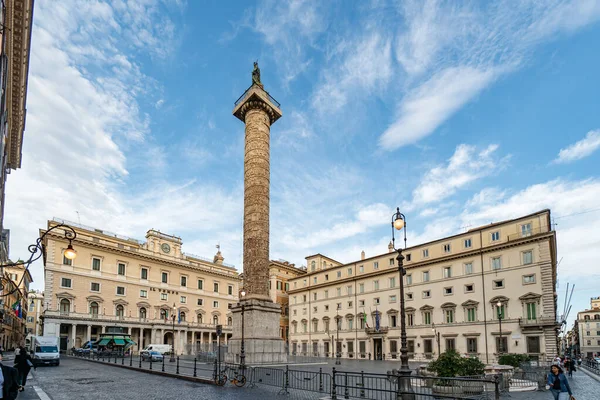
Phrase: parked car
(152, 356)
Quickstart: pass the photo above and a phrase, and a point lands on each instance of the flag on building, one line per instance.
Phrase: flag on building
(365, 319)
(178, 316)
(377, 320)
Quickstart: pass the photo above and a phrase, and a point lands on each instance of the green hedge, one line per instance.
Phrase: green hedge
(450, 364)
(513, 360)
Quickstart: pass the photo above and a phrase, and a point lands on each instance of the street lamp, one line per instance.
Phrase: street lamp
(242, 351)
(499, 307)
(399, 222)
(337, 333)
(172, 359)
(437, 339)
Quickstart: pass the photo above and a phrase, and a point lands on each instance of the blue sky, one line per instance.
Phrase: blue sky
(461, 113)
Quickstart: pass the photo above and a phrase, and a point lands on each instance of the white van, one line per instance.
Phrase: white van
(44, 350)
(161, 348)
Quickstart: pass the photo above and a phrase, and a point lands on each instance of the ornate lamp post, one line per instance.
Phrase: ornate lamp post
(337, 340)
(437, 338)
(399, 222)
(172, 359)
(499, 307)
(242, 350)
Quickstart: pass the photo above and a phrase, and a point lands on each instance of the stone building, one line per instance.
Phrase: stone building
(35, 309)
(16, 19)
(587, 327)
(141, 286)
(280, 272)
(456, 286)
(15, 283)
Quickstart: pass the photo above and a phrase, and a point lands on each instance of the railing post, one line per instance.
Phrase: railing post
(115, 358)
(123, 360)
(177, 371)
(140, 365)
(215, 371)
(287, 378)
(150, 362)
(496, 387)
(194, 367)
(320, 379)
(131, 359)
(163, 364)
(362, 384)
(333, 386)
(346, 387)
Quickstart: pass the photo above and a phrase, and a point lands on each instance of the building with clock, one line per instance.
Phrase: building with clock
(140, 286)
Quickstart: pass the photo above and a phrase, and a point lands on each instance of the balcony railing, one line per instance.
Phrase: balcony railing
(120, 319)
(541, 321)
(528, 233)
(373, 331)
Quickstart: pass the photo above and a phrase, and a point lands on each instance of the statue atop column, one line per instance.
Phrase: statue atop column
(256, 75)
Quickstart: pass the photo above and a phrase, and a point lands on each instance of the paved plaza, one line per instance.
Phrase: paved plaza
(78, 379)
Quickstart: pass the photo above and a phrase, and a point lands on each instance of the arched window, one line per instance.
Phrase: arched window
(313, 265)
(597, 316)
(216, 320)
(120, 311)
(199, 318)
(94, 309)
(163, 314)
(143, 312)
(65, 306)
(229, 321)
(584, 317)
(182, 316)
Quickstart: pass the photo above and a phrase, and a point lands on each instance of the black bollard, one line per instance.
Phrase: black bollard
(194, 367)
(163, 364)
(177, 371)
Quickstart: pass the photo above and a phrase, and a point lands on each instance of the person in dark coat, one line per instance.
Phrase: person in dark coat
(10, 385)
(23, 364)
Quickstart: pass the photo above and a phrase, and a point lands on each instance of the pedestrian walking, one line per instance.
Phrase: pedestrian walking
(10, 386)
(570, 366)
(23, 363)
(559, 384)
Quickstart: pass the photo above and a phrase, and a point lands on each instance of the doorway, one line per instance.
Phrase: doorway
(377, 349)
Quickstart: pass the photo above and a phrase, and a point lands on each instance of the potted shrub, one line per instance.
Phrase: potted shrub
(450, 364)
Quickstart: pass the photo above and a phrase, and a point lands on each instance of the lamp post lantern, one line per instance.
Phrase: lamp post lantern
(172, 359)
(242, 350)
(398, 223)
(501, 345)
(437, 339)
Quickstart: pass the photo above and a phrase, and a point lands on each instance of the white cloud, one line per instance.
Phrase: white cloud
(159, 103)
(429, 105)
(466, 165)
(580, 149)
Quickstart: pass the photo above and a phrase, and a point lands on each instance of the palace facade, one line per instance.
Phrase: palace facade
(487, 291)
(151, 288)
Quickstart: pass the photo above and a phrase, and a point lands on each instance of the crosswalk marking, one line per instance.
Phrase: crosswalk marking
(42, 395)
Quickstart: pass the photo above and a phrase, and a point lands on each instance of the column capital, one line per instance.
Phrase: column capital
(254, 98)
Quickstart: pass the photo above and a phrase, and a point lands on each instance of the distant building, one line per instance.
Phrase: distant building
(14, 313)
(587, 327)
(35, 309)
(280, 272)
(456, 286)
(139, 286)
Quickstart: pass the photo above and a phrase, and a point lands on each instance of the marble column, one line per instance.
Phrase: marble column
(141, 339)
(89, 332)
(73, 335)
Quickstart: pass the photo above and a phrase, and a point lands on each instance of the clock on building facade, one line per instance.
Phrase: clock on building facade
(166, 248)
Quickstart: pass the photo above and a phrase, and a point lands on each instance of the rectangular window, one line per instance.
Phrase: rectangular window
(468, 268)
(65, 282)
(349, 271)
(502, 344)
(409, 317)
(495, 236)
(496, 263)
(200, 284)
(230, 290)
(449, 316)
(327, 294)
(314, 296)
(533, 344)
(426, 294)
(287, 287)
(164, 277)
(164, 296)
(393, 298)
(500, 312)
(338, 291)
(304, 298)
(278, 284)
(67, 261)
(526, 230)
(95, 287)
(409, 279)
(200, 302)
(326, 308)
(394, 321)
(447, 248)
(392, 282)
(361, 288)
(468, 243)
(326, 277)
(425, 276)
(376, 265)
(361, 269)
(409, 296)
(143, 294)
(527, 257)
(121, 269)
(350, 304)
(361, 303)
(144, 273)
(315, 309)
(376, 300)
(469, 288)
(450, 344)
(448, 291)
(339, 274)
(425, 253)
(447, 272)
(216, 287)
(472, 345)
(375, 285)
(471, 314)
(531, 314)
(96, 264)
(120, 290)
(184, 281)
(527, 279)
(499, 284)
(183, 299)
(349, 290)
(427, 317)
(215, 304)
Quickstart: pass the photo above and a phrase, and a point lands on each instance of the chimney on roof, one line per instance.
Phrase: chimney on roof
(362, 255)
(390, 247)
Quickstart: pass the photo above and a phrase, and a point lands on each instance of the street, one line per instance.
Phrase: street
(78, 379)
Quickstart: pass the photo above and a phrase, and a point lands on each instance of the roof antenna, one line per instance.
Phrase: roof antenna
(78, 217)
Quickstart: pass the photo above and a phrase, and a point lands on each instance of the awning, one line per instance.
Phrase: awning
(120, 342)
(131, 342)
(104, 342)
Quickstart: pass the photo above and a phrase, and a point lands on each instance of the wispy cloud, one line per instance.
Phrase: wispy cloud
(580, 149)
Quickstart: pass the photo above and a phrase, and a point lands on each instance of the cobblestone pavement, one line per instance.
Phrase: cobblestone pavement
(77, 379)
